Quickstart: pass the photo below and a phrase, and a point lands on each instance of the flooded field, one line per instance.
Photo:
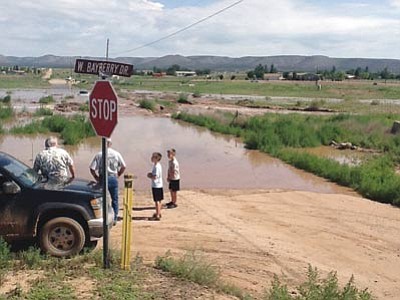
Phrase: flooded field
(208, 161)
(348, 157)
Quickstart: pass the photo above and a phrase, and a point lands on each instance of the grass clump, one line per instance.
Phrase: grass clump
(6, 112)
(147, 104)
(191, 267)
(183, 99)
(195, 268)
(316, 287)
(71, 129)
(6, 99)
(42, 111)
(46, 100)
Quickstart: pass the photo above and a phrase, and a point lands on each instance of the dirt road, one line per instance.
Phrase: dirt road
(252, 234)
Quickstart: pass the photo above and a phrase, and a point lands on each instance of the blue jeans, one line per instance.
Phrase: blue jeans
(113, 190)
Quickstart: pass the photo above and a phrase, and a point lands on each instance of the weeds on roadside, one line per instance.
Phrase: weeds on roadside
(147, 104)
(193, 267)
(317, 288)
(46, 100)
(42, 111)
(6, 112)
(72, 129)
(183, 99)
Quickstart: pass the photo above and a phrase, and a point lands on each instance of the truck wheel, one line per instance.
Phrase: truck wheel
(62, 237)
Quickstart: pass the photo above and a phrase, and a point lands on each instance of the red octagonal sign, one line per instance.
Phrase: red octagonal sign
(103, 108)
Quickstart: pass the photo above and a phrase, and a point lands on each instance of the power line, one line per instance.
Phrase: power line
(182, 29)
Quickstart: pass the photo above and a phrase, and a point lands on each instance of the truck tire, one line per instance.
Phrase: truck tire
(62, 237)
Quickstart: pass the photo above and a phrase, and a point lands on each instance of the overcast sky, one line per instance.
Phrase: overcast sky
(369, 28)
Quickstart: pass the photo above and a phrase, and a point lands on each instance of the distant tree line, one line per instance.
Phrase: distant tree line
(260, 70)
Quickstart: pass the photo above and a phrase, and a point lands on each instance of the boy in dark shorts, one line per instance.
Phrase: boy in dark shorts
(173, 178)
(156, 184)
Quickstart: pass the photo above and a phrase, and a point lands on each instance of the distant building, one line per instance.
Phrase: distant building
(159, 74)
(185, 73)
(273, 76)
(349, 76)
(303, 76)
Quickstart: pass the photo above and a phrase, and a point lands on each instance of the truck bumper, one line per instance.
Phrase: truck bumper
(96, 226)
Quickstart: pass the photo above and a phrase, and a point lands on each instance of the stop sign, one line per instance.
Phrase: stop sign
(103, 108)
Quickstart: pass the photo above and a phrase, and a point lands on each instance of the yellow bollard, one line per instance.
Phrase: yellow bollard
(126, 222)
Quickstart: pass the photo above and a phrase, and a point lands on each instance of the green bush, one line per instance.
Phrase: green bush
(31, 258)
(183, 99)
(6, 99)
(71, 129)
(42, 111)
(190, 267)
(5, 254)
(46, 100)
(6, 112)
(317, 288)
(147, 104)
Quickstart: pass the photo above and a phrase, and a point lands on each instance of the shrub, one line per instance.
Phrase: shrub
(196, 94)
(46, 100)
(147, 104)
(42, 111)
(6, 112)
(191, 267)
(31, 258)
(317, 288)
(7, 99)
(72, 129)
(5, 254)
(183, 99)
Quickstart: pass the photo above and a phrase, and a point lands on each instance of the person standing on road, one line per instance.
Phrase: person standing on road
(54, 163)
(173, 178)
(116, 167)
(156, 184)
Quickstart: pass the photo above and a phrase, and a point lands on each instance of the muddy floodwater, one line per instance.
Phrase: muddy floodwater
(207, 160)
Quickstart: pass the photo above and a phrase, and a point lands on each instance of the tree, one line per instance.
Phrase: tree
(259, 72)
(273, 69)
(172, 70)
(358, 72)
(221, 76)
(385, 74)
(250, 74)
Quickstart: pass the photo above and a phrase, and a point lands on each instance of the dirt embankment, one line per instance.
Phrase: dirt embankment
(251, 235)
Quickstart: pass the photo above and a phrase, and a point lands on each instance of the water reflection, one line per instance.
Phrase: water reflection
(207, 160)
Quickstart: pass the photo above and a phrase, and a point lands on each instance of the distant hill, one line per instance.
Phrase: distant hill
(221, 63)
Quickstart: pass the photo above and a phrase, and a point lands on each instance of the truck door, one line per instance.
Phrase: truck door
(11, 225)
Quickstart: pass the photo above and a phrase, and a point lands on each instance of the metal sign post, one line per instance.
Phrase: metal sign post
(103, 114)
(104, 175)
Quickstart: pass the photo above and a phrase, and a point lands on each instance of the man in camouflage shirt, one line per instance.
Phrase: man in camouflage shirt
(54, 163)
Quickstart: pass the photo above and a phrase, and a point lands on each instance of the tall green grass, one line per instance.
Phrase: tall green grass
(6, 112)
(279, 135)
(71, 129)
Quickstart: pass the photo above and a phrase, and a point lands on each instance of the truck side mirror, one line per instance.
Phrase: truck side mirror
(11, 188)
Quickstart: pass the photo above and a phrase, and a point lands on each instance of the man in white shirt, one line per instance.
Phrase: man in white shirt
(116, 167)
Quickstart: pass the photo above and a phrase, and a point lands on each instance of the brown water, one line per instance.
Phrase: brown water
(207, 160)
(347, 156)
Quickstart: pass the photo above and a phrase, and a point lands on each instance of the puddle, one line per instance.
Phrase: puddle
(208, 161)
(349, 157)
(27, 99)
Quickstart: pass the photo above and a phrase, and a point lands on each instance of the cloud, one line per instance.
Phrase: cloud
(254, 27)
(395, 3)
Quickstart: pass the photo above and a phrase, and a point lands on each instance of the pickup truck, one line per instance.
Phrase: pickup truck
(62, 218)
